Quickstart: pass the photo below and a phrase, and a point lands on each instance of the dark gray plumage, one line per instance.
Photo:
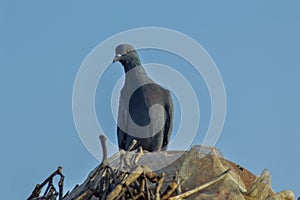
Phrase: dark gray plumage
(136, 103)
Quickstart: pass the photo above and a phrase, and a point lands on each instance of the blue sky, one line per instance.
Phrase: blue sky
(255, 45)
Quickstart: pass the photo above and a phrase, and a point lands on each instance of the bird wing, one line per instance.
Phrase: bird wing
(122, 122)
(169, 120)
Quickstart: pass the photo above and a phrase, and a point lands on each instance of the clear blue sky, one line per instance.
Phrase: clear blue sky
(255, 45)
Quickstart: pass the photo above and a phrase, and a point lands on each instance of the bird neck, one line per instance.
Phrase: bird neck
(133, 67)
(137, 67)
(130, 62)
(136, 73)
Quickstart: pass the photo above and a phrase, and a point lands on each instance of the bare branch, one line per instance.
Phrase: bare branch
(104, 149)
(201, 187)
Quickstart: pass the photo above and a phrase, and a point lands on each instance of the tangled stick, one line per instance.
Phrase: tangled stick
(169, 191)
(159, 185)
(50, 190)
(135, 174)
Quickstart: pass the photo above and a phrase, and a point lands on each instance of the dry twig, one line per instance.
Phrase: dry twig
(159, 185)
(135, 174)
(104, 149)
(50, 190)
(201, 187)
(169, 191)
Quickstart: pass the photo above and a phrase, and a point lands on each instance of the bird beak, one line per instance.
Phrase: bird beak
(117, 58)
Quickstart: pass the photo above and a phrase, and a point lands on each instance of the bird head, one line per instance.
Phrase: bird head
(122, 50)
(126, 54)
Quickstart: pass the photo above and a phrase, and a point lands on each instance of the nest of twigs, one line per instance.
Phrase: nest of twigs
(127, 180)
(199, 173)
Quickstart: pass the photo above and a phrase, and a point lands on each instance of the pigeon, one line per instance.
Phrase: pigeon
(145, 108)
